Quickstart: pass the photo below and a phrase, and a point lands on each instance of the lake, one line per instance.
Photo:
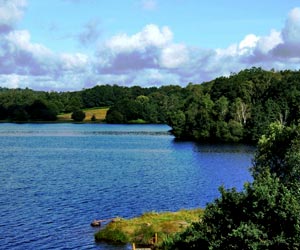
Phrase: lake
(56, 178)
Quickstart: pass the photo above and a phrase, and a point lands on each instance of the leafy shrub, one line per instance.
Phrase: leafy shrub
(78, 115)
(264, 216)
(93, 118)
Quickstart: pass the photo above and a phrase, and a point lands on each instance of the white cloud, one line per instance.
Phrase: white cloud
(150, 48)
(74, 62)
(12, 81)
(174, 55)
(279, 49)
(148, 57)
(291, 31)
(11, 11)
(290, 46)
(246, 45)
(21, 40)
(267, 43)
(151, 35)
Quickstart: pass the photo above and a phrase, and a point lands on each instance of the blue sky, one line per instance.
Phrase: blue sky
(74, 44)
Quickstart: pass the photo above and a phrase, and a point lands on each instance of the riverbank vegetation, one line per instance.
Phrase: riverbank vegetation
(265, 215)
(141, 230)
(237, 108)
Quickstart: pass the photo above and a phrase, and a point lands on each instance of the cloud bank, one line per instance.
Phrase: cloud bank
(11, 11)
(149, 57)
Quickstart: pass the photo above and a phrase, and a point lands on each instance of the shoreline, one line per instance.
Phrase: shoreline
(142, 229)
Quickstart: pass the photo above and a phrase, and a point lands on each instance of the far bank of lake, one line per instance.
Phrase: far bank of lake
(56, 178)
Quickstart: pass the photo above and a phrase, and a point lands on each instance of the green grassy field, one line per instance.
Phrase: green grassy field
(141, 230)
(99, 113)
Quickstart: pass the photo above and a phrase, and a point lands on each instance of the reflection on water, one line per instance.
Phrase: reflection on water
(57, 178)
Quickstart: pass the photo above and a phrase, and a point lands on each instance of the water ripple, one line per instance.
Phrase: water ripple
(56, 178)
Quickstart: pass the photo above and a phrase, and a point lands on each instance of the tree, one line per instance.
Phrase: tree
(114, 116)
(241, 111)
(221, 108)
(177, 121)
(78, 115)
(265, 215)
(20, 114)
(278, 152)
(3, 113)
(38, 110)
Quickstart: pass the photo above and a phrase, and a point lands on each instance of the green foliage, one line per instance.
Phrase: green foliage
(239, 108)
(78, 115)
(114, 116)
(112, 234)
(142, 229)
(138, 121)
(20, 115)
(39, 111)
(278, 152)
(264, 216)
(177, 121)
(144, 234)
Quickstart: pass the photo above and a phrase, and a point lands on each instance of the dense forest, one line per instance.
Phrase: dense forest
(237, 108)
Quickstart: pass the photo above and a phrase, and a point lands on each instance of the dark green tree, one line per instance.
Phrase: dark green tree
(278, 152)
(3, 113)
(78, 115)
(266, 214)
(114, 116)
(20, 114)
(177, 120)
(93, 118)
(39, 111)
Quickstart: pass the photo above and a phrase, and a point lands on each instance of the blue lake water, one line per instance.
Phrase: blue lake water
(56, 178)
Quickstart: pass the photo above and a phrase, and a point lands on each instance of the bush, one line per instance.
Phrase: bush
(264, 216)
(114, 116)
(78, 115)
(93, 118)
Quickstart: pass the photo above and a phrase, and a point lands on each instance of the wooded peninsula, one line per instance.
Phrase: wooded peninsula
(237, 108)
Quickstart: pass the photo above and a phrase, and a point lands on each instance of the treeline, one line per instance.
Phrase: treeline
(237, 108)
(29, 105)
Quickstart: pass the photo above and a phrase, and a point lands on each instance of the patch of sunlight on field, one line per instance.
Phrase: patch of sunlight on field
(99, 113)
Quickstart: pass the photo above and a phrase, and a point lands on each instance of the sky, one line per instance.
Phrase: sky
(66, 45)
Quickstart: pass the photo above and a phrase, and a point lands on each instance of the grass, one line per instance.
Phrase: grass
(99, 113)
(138, 121)
(141, 230)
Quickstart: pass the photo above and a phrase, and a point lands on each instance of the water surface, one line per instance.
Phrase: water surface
(56, 178)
